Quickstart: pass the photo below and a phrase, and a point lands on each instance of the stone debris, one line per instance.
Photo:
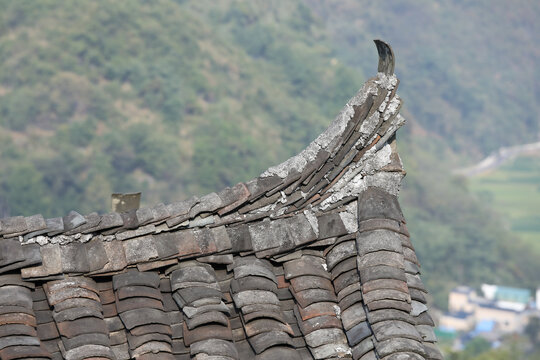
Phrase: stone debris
(311, 260)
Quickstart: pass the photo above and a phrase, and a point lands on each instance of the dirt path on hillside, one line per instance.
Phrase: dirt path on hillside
(498, 158)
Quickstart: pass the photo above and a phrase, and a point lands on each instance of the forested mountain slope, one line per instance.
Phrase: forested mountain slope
(175, 98)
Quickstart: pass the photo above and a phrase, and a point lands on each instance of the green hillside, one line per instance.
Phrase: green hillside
(174, 98)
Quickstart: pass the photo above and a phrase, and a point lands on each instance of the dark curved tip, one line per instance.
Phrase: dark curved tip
(386, 57)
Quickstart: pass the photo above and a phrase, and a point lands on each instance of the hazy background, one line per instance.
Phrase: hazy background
(174, 98)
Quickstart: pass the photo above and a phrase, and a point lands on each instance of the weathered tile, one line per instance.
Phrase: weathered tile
(330, 225)
(350, 300)
(267, 313)
(43, 316)
(92, 221)
(206, 332)
(217, 259)
(253, 283)
(52, 263)
(377, 240)
(353, 316)
(136, 341)
(96, 254)
(18, 329)
(380, 284)
(108, 221)
(386, 294)
(232, 198)
(325, 336)
(318, 309)
(382, 272)
(259, 326)
(13, 248)
(74, 259)
(362, 348)
(319, 322)
(399, 345)
(389, 314)
(248, 309)
(80, 326)
(265, 340)
(346, 279)
(89, 350)
(374, 224)
(54, 226)
(344, 266)
(140, 249)
(250, 297)
(306, 265)
(15, 295)
(138, 291)
(340, 252)
(414, 282)
(269, 235)
(277, 353)
(358, 333)
(23, 352)
(151, 328)
(424, 319)
(73, 220)
(116, 258)
(205, 240)
(310, 296)
(13, 225)
(79, 302)
(221, 238)
(388, 258)
(18, 318)
(240, 238)
(135, 231)
(389, 304)
(432, 352)
(375, 203)
(86, 339)
(395, 329)
(193, 293)
(75, 313)
(211, 317)
(192, 274)
(207, 203)
(133, 278)
(144, 316)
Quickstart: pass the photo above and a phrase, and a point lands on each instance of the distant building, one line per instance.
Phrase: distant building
(506, 309)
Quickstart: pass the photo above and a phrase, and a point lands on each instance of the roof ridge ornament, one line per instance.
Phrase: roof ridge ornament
(386, 57)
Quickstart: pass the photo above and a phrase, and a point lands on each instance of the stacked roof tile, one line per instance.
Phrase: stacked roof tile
(311, 260)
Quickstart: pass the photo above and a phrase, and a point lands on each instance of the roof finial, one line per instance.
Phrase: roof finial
(386, 57)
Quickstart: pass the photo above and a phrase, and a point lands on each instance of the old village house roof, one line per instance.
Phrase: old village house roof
(311, 260)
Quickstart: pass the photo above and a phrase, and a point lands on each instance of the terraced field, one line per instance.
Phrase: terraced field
(513, 190)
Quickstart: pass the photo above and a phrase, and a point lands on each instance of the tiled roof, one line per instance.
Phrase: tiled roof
(311, 260)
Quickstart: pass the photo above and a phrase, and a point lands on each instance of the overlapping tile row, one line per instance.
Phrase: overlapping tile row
(310, 260)
(139, 304)
(388, 272)
(206, 326)
(255, 293)
(342, 265)
(316, 307)
(419, 311)
(78, 317)
(18, 335)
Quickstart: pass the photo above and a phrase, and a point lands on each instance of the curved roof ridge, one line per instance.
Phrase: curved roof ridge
(368, 119)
